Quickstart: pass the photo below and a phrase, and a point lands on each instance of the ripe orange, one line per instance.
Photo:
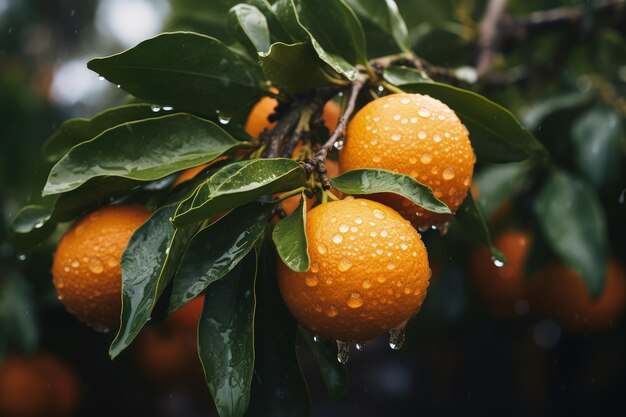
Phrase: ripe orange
(168, 353)
(258, 119)
(560, 293)
(502, 287)
(369, 271)
(86, 270)
(415, 135)
(39, 386)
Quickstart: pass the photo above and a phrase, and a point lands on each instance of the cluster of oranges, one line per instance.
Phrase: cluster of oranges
(369, 269)
(555, 290)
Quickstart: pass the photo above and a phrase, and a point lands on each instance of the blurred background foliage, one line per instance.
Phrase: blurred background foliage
(565, 79)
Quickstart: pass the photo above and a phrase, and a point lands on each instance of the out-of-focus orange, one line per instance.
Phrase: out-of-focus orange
(188, 174)
(502, 287)
(561, 294)
(37, 386)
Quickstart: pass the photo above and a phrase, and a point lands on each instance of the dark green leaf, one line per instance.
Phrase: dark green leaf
(497, 183)
(144, 150)
(538, 112)
(240, 183)
(496, 135)
(29, 218)
(383, 21)
(277, 31)
(471, 218)
(225, 338)
(334, 374)
(574, 225)
(217, 249)
(19, 329)
(185, 70)
(372, 181)
(597, 137)
(251, 24)
(294, 68)
(75, 131)
(403, 75)
(289, 236)
(278, 387)
(148, 265)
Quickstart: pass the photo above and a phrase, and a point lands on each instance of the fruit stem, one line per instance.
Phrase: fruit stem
(318, 162)
(391, 87)
(289, 194)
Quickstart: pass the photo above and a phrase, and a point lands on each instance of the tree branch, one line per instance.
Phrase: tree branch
(489, 38)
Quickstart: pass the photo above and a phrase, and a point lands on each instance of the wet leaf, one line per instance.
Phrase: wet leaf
(334, 374)
(382, 21)
(573, 223)
(403, 75)
(289, 236)
(295, 68)
(144, 150)
(225, 338)
(215, 250)
(189, 71)
(372, 181)
(278, 386)
(240, 183)
(597, 137)
(251, 25)
(148, 264)
(496, 134)
(542, 109)
(75, 131)
(471, 218)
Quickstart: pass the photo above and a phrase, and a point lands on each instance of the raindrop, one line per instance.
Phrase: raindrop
(75, 263)
(376, 159)
(315, 267)
(223, 119)
(384, 233)
(332, 311)
(337, 238)
(423, 112)
(119, 86)
(344, 228)
(448, 174)
(344, 265)
(354, 300)
(39, 224)
(379, 214)
(317, 339)
(321, 249)
(155, 108)
(343, 352)
(358, 220)
(391, 267)
(396, 137)
(360, 347)
(437, 138)
(622, 196)
(367, 284)
(497, 262)
(21, 257)
(338, 145)
(100, 77)
(405, 101)
(311, 280)
(396, 336)
(168, 108)
(421, 134)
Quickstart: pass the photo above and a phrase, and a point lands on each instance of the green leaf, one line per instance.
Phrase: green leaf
(215, 250)
(148, 265)
(373, 181)
(240, 183)
(574, 224)
(497, 183)
(29, 218)
(225, 338)
(278, 387)
(276, 29)
(382, 21)
(185, 70)
(496, 134)
(75, 131)
(252, 27)
(334, 374)
(403, 75)
(294, 68)
(540, 110)
(597, 137)
(472, 219)
(341, 42)
(19, 329)
(144, 150)
(289, 236)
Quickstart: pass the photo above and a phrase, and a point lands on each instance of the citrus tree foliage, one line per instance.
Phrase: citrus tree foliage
(191, 92)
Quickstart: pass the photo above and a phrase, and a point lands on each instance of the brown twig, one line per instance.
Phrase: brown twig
(318, 162)
(489, 37)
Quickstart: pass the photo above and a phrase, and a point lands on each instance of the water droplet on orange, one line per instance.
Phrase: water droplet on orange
(344, 265)
(448, 174)
(354, 300)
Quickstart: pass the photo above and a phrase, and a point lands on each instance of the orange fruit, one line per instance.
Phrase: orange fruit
(86, 270)
(168, 353)
(501, 287)
(188, 174)
(39, 386)
(368, 274)
(258, 119)
(415, 135)
(560, 293)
